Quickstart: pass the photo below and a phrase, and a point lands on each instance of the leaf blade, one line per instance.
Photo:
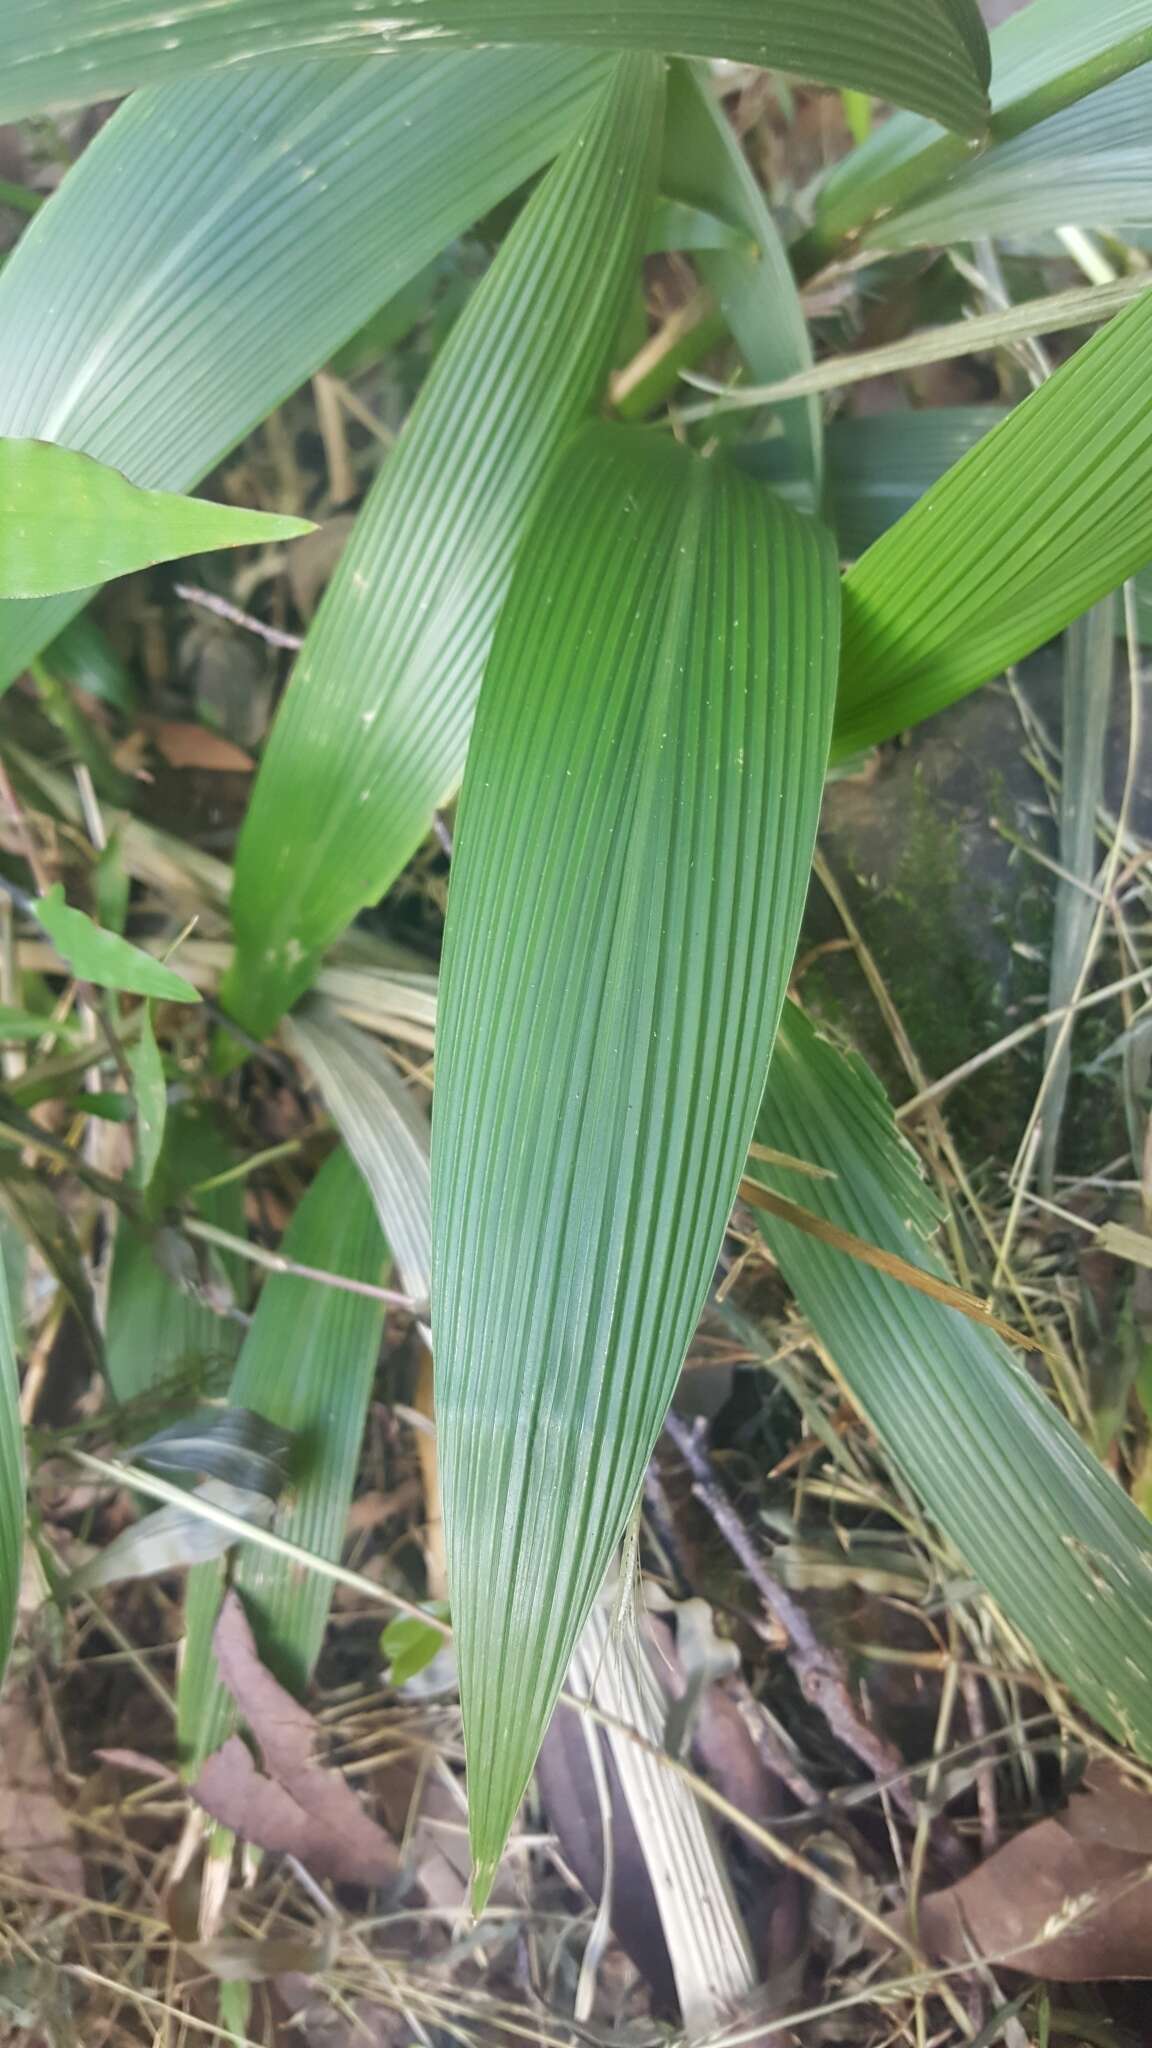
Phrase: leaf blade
(67, 521)
(302, 195)
(569, 1271)
(1012, 1486)
(103, 957)
(374, 727)
(932, 55)
(12, 1475)
(1044, 516)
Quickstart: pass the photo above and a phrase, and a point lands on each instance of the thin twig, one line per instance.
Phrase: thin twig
(275, 1262)
(223, 608)
(823, 1679)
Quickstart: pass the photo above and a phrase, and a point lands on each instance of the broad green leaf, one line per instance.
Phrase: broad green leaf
(1046, 57)
(754, 285)
(383, 1125)
(1090, 165)
(104, 958)
(1061, 1549)
(160, 1335)
(374, 728)
(307, 1364)
(1047, 514)
(11, 1475)
(631, 862)
(299, 197)
(67, 521)
(150, 1089)
(928, 54)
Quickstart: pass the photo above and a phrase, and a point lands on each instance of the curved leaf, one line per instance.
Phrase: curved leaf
(1048, 513)
(1060, 1547)
(632, 858)
(298, 198)
(1049, 55)
(67, 521)
(1090, 166)
(928, 54)
(754, 286)
(374, 728)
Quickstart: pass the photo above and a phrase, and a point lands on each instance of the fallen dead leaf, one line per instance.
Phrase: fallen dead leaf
(1068, 1899)
(292, 1804)
(185, 745)
(35, 1834)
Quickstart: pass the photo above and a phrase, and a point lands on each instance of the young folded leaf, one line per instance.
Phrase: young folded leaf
(67, 521)
(299, 196)
(307, 1364)
(631, 863)
(1048, 513)
(1060, 1547)
(11, 1475)
(374, 728)
(928, 54)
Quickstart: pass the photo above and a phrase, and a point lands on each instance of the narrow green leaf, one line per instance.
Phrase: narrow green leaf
(104, 958)
(307, 1364)
(67, 521)
(928, 54)
(1061, 1549)
(383, 1126)
(300, 196)
(11, 1475)
(20, 1027)
(1087, 698)
(754, 286)
(1089, 165)
(150, 1089)
(631, 862)
(159, 1334)
(374, 728)
(1045, 57)
(1047, 514)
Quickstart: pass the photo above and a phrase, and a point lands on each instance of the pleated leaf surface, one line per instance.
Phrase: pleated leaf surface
(632, 859)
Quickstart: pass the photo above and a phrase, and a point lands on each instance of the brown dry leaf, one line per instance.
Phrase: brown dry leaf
(1071, 1898)
(184, 745)
(35, 1834)
(292, 1805)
